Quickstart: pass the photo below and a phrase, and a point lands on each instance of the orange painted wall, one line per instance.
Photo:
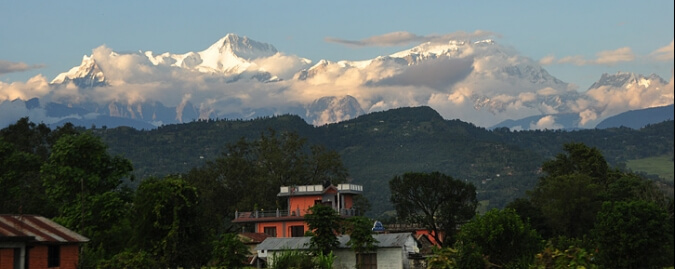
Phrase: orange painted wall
(6, 258)
(303, 202)
(281, 231)
(349, 201)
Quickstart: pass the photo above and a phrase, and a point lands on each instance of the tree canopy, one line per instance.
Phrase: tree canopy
(324, 224)
(437, 201)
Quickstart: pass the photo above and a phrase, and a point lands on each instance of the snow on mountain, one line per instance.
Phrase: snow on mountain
(482, 82)
(624, 79)
(88, 74)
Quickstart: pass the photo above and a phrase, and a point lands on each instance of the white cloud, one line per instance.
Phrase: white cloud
(607, 57)
(404, 38)
(549, 59)
(10, 67)
(474, 86)
(546, 122)
(664, 53)
(36, 86)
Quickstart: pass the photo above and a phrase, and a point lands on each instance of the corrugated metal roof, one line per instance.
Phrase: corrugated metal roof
(279, 243)
(40, 228)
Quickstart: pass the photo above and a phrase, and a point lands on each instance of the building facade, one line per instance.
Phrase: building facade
(289, 222)
(29, 241)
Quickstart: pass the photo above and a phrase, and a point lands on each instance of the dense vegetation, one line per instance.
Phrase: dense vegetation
(164, 198)
(502, 164)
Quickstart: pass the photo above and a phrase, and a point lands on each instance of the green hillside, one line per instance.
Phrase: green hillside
(375, 147)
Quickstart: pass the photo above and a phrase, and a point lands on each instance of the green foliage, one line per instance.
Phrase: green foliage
(635, 234)
(443, 258)
(572, 257)
(271, 161)
(129, 259)
(166, 224)
(578, 159)
(83, 182)
(438, 202)
(657, 165)
(324, 221)
(501, 237)
(229, 252)
(294, 259)
(360, 234)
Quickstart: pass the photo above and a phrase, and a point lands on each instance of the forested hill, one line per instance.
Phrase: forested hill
(377, 146)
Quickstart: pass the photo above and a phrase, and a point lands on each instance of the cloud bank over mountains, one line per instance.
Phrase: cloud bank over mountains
(461, 75)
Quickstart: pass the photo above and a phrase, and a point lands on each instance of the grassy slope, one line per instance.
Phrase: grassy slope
(659, 165)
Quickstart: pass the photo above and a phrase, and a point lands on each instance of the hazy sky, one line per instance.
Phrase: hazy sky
(576, 41)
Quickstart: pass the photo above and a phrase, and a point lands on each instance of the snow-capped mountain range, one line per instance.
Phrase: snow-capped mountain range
(476, 81)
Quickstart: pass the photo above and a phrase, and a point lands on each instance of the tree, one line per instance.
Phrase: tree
(20, 185)
(267, 163)
(634, 234)
(438, 202)
(83, 182)
(229, 251)
(166, 224)
(361, 238)
(502, 237)
(324, 222)
(569, 203)
(571, 192)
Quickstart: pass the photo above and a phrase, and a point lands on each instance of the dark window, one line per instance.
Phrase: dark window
(271, 231)
(297, 231)
(366, 260)
(53, 256)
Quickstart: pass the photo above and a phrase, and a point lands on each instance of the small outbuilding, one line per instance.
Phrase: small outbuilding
(30, 241)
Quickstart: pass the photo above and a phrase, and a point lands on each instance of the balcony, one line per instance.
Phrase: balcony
(318, 189)
(261, 215)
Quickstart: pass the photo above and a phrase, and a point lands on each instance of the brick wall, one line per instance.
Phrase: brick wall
(38, 257)
(6, 258)
(69, 256)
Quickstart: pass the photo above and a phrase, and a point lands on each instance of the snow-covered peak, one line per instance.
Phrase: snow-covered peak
(431, 48)
(625, 79)
(86, 74)
(233, 54)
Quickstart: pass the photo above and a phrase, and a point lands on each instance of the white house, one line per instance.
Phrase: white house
(394, 251)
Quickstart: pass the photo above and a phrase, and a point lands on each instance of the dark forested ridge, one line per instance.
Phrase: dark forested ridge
(376, 147)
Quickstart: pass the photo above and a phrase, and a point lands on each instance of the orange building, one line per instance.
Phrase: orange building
(29, 241)
(290, 222)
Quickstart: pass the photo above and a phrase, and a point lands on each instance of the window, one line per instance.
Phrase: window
(53, 256)
(271, 231)
(297, 231)
(366, 260)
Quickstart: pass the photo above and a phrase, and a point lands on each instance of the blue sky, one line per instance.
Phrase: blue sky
(50, 37)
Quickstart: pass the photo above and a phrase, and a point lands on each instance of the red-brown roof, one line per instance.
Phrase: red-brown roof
(38, 228)
(255, 237)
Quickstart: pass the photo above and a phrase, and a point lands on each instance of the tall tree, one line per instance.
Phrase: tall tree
(634, 234)
(273, 160)
(20, 185)
(502, 237)
(84, 183)
(324, 223)
(166, 224)
(437, 201)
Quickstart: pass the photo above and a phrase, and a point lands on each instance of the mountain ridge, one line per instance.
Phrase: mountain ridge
(236, 77)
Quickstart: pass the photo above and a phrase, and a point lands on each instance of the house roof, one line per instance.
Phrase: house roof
(392, 240)
(36, 228)
(254, 238)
